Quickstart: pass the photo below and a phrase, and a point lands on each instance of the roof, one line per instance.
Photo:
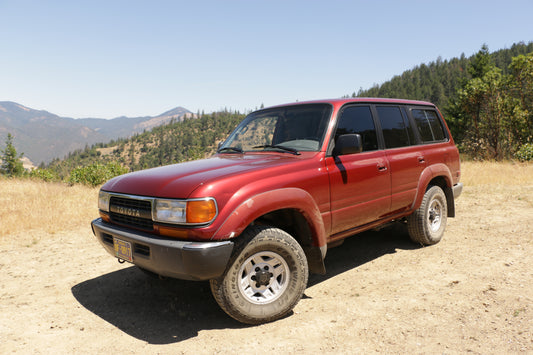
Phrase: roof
(343, 101)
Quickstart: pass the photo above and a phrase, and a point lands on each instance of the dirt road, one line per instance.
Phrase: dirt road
(473, 292)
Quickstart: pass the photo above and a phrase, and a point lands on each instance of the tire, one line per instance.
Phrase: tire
(426, 225)
(266, 277)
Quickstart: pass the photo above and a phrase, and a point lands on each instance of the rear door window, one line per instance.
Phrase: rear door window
(429, 125)
(396, 130)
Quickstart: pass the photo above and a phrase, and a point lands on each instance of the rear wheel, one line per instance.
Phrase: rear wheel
(426, 225)
(266, 278)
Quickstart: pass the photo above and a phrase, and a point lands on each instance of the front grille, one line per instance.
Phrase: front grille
(131, 212)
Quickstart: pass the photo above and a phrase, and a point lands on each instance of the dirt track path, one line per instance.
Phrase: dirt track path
(473, 292)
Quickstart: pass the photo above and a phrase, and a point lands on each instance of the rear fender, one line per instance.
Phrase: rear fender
(430, 173)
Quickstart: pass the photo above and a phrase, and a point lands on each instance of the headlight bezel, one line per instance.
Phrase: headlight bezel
(178, 210)
(183, 217)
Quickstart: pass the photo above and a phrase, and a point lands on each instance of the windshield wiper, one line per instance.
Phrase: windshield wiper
(277, 146)
(231, 149)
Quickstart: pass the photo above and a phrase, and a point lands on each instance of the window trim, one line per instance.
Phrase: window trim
(407, 115)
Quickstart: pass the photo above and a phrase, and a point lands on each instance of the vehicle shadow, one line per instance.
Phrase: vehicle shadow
(163, 311)
(363, 248)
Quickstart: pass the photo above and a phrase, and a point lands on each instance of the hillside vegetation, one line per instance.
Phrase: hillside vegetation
(438, 81)
(487, 100)
(192, 138)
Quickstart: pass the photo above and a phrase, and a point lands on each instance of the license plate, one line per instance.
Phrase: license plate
(123, 249)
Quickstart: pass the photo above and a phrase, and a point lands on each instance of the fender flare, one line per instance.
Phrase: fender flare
(429, 173)
(266, 202)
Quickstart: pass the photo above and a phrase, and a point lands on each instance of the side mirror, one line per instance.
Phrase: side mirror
(348, 144)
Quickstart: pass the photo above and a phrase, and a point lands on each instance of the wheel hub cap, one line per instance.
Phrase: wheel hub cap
(263, 277)
(434, 216)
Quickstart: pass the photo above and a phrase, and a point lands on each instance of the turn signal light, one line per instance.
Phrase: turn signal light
(201, 211)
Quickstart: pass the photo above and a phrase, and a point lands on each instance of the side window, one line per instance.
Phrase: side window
(429, 125)
(395, 130)
(358, 120)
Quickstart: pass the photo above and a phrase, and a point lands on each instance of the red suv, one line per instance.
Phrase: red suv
(258, 216)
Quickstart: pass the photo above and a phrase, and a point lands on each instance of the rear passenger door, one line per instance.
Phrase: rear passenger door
(406, 159)
(360, 182)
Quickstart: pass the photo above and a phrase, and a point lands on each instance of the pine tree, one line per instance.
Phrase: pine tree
(11, 164)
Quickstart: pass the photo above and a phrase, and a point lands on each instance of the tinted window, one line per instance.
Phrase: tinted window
(358, 119)
(429, 125)
(393, 126)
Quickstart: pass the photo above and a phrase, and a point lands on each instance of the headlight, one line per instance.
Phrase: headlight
(103, 201)
(185, 212)
(170, 211)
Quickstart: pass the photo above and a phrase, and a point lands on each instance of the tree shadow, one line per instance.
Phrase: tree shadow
(163, 311)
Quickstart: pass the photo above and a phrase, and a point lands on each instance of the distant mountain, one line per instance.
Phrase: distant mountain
(43, 136)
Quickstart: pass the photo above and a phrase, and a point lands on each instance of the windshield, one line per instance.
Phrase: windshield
(288, 129)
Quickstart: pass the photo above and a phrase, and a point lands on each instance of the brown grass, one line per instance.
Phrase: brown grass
(29, 207)
(496, 173)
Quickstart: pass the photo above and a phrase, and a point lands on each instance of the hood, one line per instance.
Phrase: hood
(180, 180)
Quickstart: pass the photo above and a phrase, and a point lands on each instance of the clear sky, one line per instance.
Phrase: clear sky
(106, 58)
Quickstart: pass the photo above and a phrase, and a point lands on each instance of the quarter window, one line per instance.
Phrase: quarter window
(358, 120)
(429, 125)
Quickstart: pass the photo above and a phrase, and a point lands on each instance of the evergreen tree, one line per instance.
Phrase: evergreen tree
(11, 164)
(481, 63)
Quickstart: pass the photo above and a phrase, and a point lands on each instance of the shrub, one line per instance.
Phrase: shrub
(96, 174)
(525, 153)
(44, 174)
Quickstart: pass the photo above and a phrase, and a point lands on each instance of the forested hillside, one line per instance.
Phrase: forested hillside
(439, 81)
(487, 100)
(190, 139)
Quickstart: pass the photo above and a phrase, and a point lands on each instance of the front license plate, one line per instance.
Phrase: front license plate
(123, 249)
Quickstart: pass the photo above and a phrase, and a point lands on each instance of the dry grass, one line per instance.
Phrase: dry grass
(471, 293)
(496, 173)
(29, 206)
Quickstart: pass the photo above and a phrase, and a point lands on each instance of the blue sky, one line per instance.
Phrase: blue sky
(136, 58)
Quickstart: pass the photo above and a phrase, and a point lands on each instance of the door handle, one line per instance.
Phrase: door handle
(382, 167)
(421, 159)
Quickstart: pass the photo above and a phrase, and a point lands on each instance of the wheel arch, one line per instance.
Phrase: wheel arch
(290, 209)
(436, 175)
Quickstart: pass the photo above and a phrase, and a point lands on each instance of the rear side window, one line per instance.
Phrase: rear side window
(358, 120)
(429, 125)
(396, 131)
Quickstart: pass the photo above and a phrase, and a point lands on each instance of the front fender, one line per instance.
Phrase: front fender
(263, 203)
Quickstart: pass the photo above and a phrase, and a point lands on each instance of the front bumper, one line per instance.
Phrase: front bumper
(167, 257)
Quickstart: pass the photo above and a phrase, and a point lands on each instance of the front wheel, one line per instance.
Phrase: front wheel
(266, 278)
(426, 225)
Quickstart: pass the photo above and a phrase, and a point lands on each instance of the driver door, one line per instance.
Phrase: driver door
(360, 183)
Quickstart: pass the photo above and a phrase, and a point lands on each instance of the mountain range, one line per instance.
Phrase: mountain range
(43, 136)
